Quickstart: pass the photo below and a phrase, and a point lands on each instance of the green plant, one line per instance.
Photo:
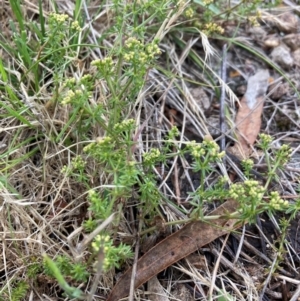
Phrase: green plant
(76, 271)
(17, 293)
(94, 124)
(53, 269)
(114, 255)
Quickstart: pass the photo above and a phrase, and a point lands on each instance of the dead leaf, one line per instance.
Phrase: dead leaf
(234, 73)
(175, 247)
(248, 119)
(157, 292)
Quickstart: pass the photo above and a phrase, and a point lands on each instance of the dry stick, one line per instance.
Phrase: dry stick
(211, 289)
(176, 172)
(176, 183)
(261, 255)
(98, 274)
(291, 4)
(296, 294)
(134, 266)
(253, 249)
(274, 295)
(89, 24)
(261, 297)
(222, 100)
(261, 235)
(288, 279)
(229, 265)
(238, 252)
(284, 290)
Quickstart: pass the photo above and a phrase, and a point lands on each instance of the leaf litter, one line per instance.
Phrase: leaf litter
(276, 116)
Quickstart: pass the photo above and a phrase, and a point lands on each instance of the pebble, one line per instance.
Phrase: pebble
(278, 90)
(201, 98)
(296, 57)
(287, 22)
(292, 40)
(272, 42)
(282, 56)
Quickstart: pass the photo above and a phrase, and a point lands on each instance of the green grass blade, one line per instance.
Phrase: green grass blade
(73, 292)
(15, 114)
(42, 19)
(70, 121)
(16, 8)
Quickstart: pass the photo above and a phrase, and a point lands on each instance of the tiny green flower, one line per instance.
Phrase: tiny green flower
(221, 155)
(265, 141)
(125, 125)
(78, 162)
(152, 156)
(253, 21)
(113, 255)
(173, 133)
(189, 13)
(283, 154)
(211, 28)
(75, 25)
(68, 98)
(59, 18)
(70, 83)
(276, 202)
(132, 43)
(104, 66)
(207, 2)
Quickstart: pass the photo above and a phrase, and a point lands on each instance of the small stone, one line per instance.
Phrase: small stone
(241, 90)
(287, 22)
(257, 33)
(201, 98)
(277, 90)
(296, 57)
(272, 42)
(213, 125)
(292, 40)
(282, 56)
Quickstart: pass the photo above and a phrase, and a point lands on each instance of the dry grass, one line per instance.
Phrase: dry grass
(42, 209)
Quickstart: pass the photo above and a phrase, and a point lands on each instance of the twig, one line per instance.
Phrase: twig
(261, 297)
(274, 295)
(136, 257)
(98, 274)
(240, 246)
(253, 249)
(222, 100)
(261, 236)
(91, 236)
(176, 172)
(176, 183)
(296, 294)
(288, 279)
(213, 280)
(289, 3)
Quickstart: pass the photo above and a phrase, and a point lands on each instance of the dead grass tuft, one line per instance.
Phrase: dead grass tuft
(48, 216)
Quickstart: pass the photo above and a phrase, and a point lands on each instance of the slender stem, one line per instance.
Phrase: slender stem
(233, 215)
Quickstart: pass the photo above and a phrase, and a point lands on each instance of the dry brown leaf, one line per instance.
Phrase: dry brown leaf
(157, 291)
(175, 247)
(248, 119)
